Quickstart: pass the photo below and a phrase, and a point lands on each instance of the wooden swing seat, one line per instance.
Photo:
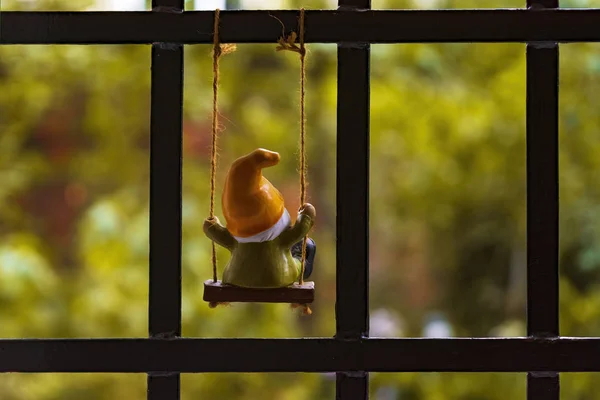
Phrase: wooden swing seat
(218, 292)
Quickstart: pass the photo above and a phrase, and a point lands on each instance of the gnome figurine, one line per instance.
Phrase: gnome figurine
(266, 248)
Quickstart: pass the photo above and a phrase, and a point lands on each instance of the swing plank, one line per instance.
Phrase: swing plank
(218, 292)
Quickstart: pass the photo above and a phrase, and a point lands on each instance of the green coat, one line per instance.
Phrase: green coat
(265, 264)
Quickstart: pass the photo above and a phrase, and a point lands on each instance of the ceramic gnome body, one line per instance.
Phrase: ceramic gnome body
(266, 248)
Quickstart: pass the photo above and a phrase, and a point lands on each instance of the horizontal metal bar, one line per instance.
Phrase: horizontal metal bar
(300, 355)
(324, 26)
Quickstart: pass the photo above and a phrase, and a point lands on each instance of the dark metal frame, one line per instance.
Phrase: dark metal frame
(351, 353)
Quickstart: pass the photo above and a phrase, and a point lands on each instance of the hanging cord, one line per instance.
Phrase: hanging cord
(289, 44)
(218, 50)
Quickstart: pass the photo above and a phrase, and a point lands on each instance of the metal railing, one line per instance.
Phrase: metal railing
(351, 353)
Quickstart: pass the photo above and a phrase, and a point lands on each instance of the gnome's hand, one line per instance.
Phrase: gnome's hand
(304, 223)
(218, 233)
(210, 222)
(308, 210)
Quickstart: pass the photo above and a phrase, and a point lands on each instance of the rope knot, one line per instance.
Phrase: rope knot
(305, 308)
(215, 304)
(289, 44)
(218, 48)
(221, 49)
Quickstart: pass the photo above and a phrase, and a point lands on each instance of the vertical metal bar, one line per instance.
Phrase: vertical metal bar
(165, 190)
(163, 387)
(352, 254)
(352, 305)
(542, 190)
(165, 199)
(542, 202)
(352, 386)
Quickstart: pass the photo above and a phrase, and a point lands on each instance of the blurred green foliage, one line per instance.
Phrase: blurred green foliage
(447, 201)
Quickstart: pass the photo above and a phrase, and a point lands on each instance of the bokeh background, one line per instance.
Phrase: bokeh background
(447, 199)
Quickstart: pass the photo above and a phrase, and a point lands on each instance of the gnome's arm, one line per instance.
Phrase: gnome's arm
(304, 223)
(219, 234)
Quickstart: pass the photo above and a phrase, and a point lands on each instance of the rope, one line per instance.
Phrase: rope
(289, 44)
(302, 133)
(218, 50)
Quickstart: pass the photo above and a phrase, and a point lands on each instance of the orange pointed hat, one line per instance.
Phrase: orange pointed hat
(251, 204)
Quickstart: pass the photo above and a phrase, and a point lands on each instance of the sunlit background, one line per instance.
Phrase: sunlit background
(447, 199)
